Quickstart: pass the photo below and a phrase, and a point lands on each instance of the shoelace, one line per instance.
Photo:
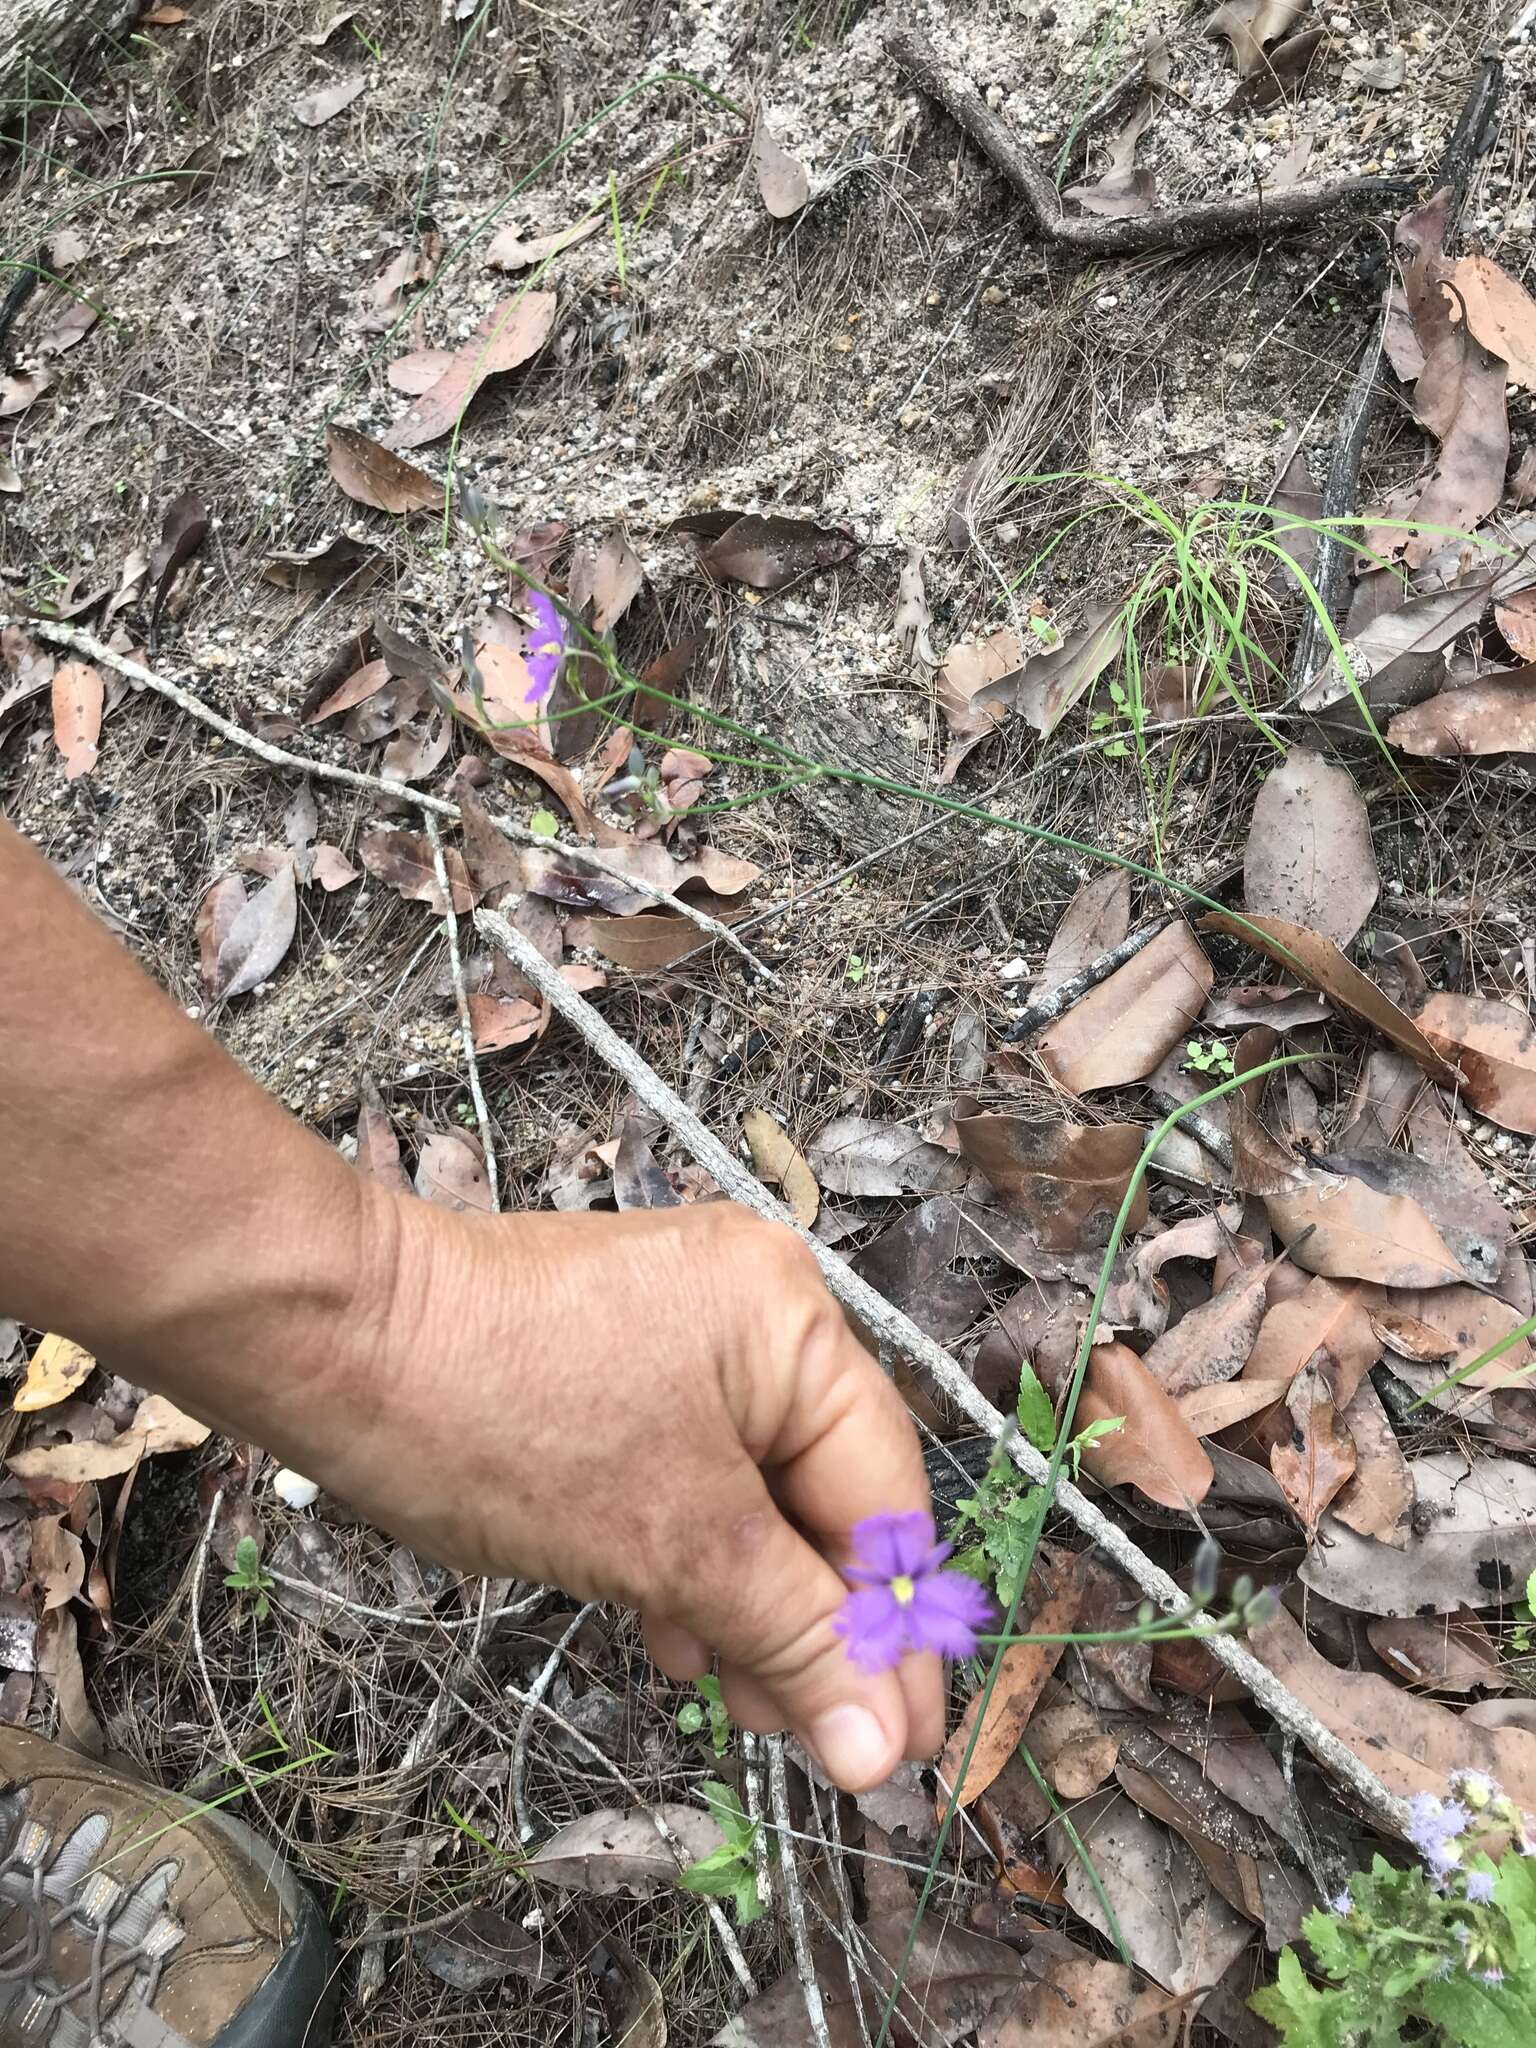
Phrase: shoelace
(99, 1902)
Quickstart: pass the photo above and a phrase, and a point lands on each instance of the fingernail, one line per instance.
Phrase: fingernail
(853, 1747)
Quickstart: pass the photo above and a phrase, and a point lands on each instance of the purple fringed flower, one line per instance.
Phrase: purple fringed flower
(545, 648)
(1341, 1903)
(1433, 1827)
(1493, 1976)
(1480, 1886)
(902, 1599)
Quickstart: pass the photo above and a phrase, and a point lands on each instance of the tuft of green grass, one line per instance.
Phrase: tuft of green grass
(1204, 604)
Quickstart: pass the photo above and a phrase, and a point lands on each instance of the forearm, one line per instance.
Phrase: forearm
(155, 1203)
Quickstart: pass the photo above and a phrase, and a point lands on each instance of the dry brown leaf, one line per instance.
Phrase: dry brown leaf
(1438, 1653)
(647, 940)
(766, 550)
(384, 301)
(1516, 620)
(1124, 1028)
(79, 698)
(259, 934)
(1329, 1316)
(220, 906)
(1377, 1500)
(1251, 26)
(1261, 1164)
(1499, 312)
(1318, 962)
(450, 1171)
(372, 475)
(1495, 1047)
(1470, 1321)
(1213, 1408)
(510, 333)
(1411, 1744)
(776, 1161)
(56, 1369)
(319, 567)
(966, 689)
(1021, 1676)
(1309, 857)
(10, 479)
(606, 581)
(1344, 1229)
(363, 683)
(525, 751)
(331, 868)
(1178, 1930)
(1051, 683)
(511, 251)
(614, 1851)
(854, 1155)
(419, 371)
(1318, 1456)
(378, 1149)
(403, 860)
(1472, 1544)
(1124, 189)
(500, 1022)
(23, 389)
(954, 1983)
(1098, 917)
(1071, 1744)
(314, 109)
(1284, 71)
(1155, 1450)
(1067, 1181)
(1398, 650)
(781, 178)
(1211, 1342)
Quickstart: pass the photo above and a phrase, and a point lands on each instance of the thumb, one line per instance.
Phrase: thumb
(766, 1601)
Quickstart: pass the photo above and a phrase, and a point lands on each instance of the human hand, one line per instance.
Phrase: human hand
(664, 1408)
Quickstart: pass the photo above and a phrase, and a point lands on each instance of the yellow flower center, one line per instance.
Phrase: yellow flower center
(904, 1590)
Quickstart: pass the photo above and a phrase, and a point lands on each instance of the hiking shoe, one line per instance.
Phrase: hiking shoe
(130, 1919)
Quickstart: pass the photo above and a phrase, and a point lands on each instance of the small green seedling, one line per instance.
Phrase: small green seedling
(544, 825)
(1043, 630)
(855, 971)
(1209, 1056)
(1003, 1512)
(1129, 711)
(1037, 1418)
(708, 1711)
(1105, 1426)
(729, 1872)
(250, 1576)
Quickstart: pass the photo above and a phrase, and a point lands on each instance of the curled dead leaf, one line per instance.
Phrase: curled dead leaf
(776, 1161)
(510, 333)
(374, 475)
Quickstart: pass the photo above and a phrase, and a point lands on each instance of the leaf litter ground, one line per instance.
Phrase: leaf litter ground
(865, 372)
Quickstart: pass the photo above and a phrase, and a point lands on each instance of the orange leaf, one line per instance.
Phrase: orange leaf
(79, 697)
(1024, 1670)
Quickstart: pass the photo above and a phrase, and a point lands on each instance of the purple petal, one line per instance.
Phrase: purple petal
(947, 1611)
(892, 1547)
(874, 1626)
(544, 649)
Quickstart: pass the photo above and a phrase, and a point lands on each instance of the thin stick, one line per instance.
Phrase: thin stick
(541, 1684)
(461, 1000)
(375, 785)
(894, 1329)
(794, 1898)
(1035, 1016)
(751, 1778)
(1174, 227)
(437, 1624)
